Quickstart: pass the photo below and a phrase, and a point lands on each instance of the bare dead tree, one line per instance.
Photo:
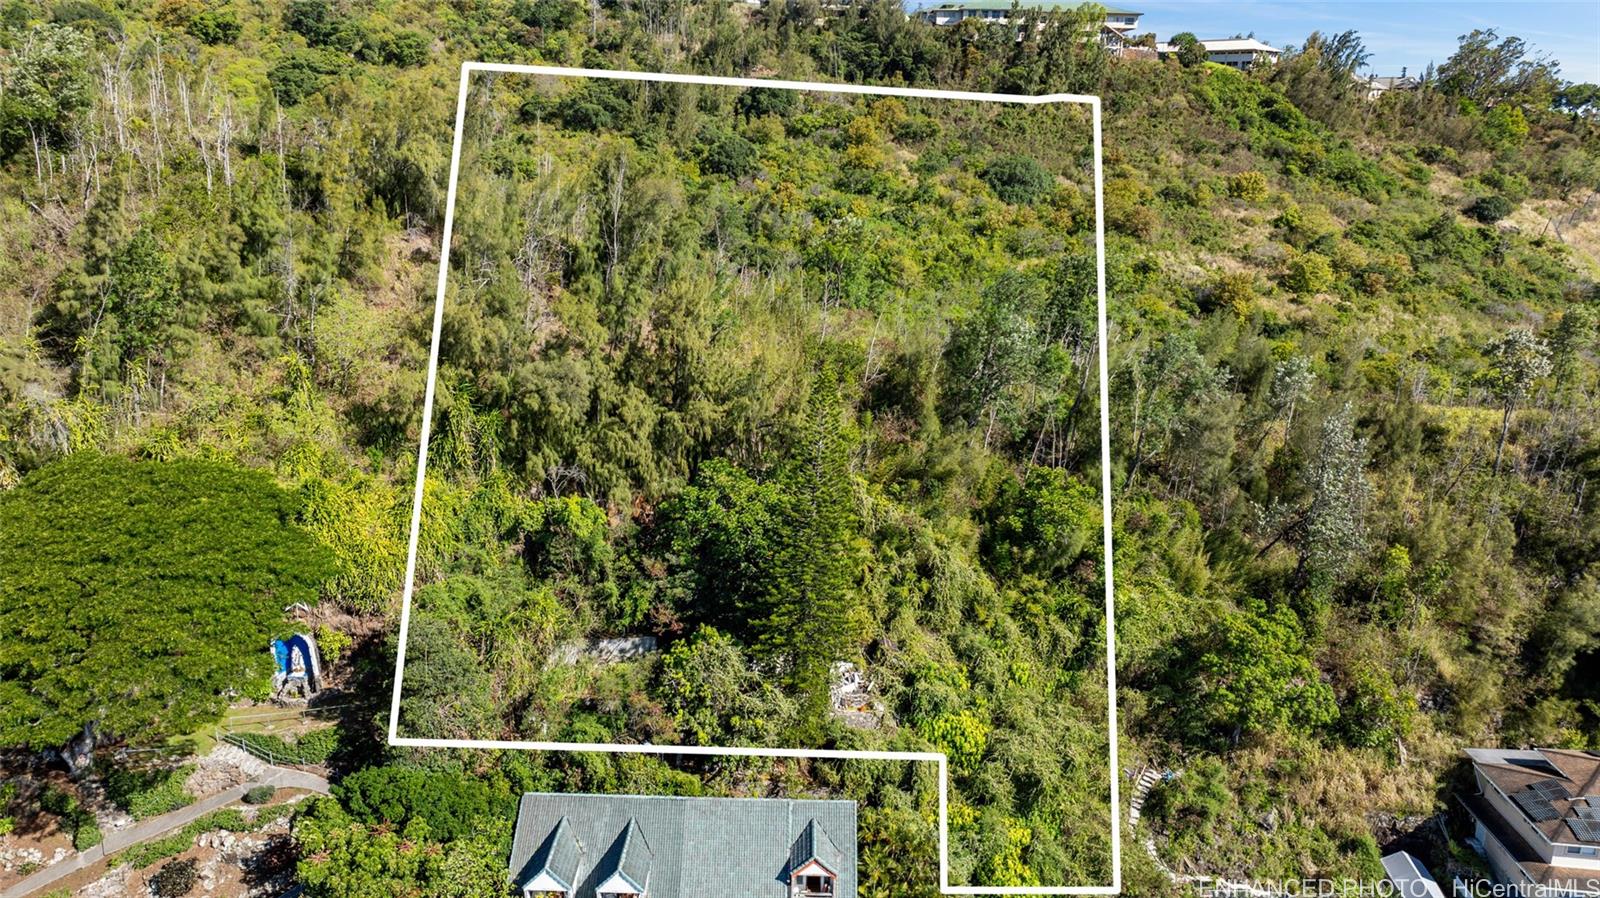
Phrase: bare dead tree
(616, 193)
(225, 139)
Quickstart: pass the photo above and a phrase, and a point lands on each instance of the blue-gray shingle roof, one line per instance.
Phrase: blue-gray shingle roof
(630, 856)
(814, 844)
(557, 856)
(686, 846)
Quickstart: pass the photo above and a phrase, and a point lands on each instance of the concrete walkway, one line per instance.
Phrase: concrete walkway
(155, 827)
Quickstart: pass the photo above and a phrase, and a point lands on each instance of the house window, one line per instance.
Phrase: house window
(816, 885)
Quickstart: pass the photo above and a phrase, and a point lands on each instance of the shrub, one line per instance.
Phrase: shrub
(448, 802)
(1201, 794)
(332, 644)
(301, 74)
(7, 824)
(1309, 273)
(1504, 127)
(315, 20)
(75, 820)
(259, 794)
(174, 879)
(84, 14)
(145, 794)
(1134, 221)
(229, 819)
(407, 49)
(1489, 209)
(1250, 186)
(58, 801)
(1017, 179)
(86, 833)
(146, 853)
(731, 155)
(317, 746)
(314, 747)
(214, 26)
(915, 129)
(1235, 292)
(1512, 186)
(546, 15)
(962, 735)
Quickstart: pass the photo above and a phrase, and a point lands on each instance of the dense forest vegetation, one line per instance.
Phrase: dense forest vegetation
(1354, 410)
(803, 393)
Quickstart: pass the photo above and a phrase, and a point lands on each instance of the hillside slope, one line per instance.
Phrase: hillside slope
(1354, 384)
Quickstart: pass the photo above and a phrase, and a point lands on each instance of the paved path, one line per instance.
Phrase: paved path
(145, 830)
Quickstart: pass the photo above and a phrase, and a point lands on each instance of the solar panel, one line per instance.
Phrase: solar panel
(1536, 806)
(1551, 790)
(1589, 813)
(1585, 830)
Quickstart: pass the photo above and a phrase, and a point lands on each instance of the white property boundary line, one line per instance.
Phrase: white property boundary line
(1105, 473)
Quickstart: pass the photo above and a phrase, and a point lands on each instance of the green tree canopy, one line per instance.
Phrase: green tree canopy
(1190, 50)
(450, 803)
(1257, 677)
(133, 594)
(44, 84)
(346, 859)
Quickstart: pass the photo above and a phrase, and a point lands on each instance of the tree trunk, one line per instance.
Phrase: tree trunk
(78, 753)
(1505, 428)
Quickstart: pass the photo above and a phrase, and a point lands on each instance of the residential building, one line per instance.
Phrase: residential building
(1235, 52)
(658, 846)
(1409, 876)
(1118, 26)
(1377, 86)
(1537, 818)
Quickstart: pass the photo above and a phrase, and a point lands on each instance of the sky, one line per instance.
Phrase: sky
(1398, 33)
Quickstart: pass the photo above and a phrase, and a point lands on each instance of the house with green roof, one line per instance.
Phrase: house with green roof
(663, 846)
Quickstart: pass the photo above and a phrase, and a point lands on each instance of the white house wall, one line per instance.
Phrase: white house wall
(1574, 861)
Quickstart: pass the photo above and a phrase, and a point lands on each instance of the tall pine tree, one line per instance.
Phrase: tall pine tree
(818, 569)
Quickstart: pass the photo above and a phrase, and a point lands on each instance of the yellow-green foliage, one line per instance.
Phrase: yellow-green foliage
(1235, 291)
(1250, 186)
(1308, 273)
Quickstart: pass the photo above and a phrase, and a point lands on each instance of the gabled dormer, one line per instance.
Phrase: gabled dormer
(555, 869)
(814, 864)
(624, 872)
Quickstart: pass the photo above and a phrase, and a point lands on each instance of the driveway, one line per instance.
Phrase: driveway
(145, 830)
